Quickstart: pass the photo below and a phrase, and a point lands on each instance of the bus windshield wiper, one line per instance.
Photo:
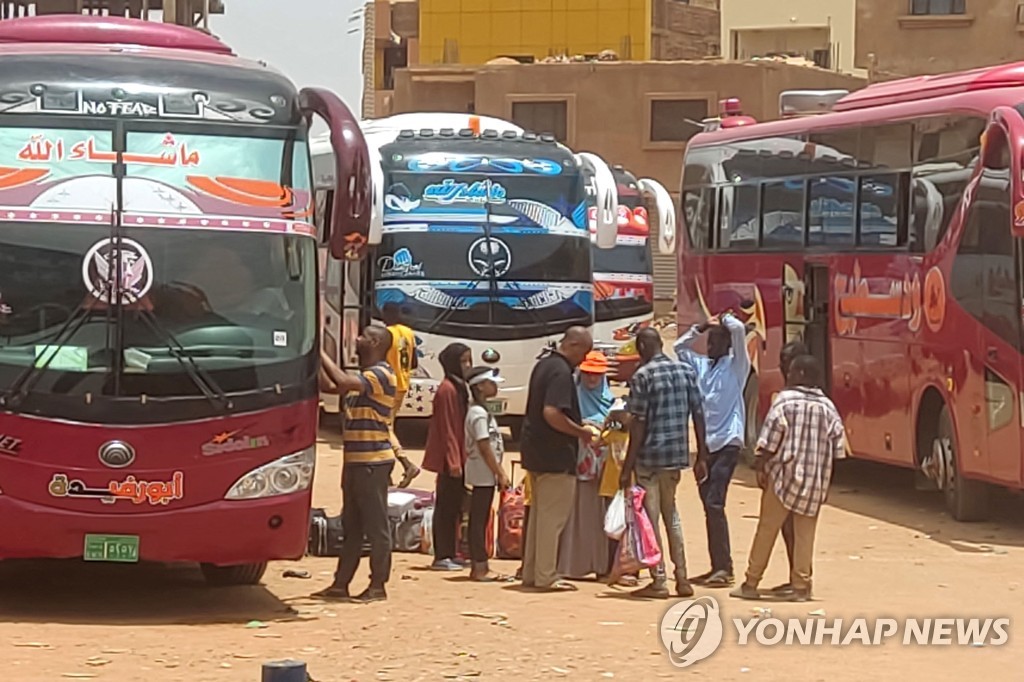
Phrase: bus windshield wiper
(199, 376)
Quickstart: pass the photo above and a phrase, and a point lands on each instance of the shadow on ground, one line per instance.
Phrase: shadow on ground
(76, 592)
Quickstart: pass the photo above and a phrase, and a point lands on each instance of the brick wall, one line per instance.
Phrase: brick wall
(685, 31)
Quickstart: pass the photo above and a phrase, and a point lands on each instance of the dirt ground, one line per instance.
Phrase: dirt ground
(883, 551)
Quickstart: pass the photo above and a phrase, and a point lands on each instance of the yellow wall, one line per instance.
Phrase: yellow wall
(485, 29)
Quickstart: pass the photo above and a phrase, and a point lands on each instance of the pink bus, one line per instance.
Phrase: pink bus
(887, 235)
(158, 296)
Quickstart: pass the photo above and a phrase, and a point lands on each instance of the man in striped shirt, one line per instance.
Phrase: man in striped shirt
(802, 436)
(369, 459)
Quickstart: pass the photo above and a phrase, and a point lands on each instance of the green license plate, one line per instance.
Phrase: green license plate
(119, 548)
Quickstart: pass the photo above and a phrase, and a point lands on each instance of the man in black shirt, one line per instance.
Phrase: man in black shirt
(552, 431)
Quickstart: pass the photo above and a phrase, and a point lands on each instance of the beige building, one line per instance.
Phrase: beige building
(897, 38)
(821, 31)
(637, 114)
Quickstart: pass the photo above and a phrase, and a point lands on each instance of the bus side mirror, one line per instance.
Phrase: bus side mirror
(666, 214)
(350, 213)
(606, 199)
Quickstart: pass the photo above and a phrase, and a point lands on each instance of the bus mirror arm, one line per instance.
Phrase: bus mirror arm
(351, 212)
(606, 199)
(666, 214)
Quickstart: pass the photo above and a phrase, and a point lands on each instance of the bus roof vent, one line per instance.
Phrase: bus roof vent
(447, 132)
(793, 103)
(509, 135)
(489, 134)
(101, 30)
(406, 135)
(547, 137)
(426, 132)
(530, 137)
(466, 132)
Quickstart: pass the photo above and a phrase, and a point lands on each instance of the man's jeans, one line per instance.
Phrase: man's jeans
(660, 503)
(713, 490)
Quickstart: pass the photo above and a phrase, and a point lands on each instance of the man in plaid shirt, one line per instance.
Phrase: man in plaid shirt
(802, 436)
(663, 398)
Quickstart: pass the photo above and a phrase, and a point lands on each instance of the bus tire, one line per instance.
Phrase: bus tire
(227, 576)
(966, 500)
(752, 401)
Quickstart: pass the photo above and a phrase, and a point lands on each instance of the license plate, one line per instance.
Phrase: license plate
(496, 406)
(117, 548)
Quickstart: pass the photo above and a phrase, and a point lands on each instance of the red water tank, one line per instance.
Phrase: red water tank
(84, 29)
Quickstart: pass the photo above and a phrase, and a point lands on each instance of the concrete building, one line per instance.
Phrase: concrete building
(473, 32)
(822, 31)
(638, 114)
(183, 12)
(897, 38)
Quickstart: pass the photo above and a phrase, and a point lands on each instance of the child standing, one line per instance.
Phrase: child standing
(484, 452)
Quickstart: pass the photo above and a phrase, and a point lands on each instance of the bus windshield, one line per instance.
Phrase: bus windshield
(196, 289)
(485, 256)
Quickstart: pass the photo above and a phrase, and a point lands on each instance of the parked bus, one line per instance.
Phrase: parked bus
(887, 235)
(483, 239)
(624, 275)
(158, 324)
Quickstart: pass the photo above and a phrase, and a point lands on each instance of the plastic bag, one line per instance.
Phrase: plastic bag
(642, 530)
(615, 517)
(626, 560)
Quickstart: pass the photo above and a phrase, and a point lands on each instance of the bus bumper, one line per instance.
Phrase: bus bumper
(222, 532)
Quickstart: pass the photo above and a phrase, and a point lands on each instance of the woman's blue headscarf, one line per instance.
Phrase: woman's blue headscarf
(597, 403)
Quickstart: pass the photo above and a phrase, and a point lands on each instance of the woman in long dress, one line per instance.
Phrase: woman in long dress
(583, 549)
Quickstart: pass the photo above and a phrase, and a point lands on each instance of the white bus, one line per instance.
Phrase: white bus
(624, 275)
(480, 235)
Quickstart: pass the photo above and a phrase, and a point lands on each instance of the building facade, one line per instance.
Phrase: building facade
(645, 111)
(821, 31)
(899, 38)
(474, 32)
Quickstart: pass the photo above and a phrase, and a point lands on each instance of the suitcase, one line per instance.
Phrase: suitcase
(407, 508)
(326, 534)
(511, 513)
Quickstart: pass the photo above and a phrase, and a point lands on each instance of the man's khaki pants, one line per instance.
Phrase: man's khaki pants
(773, 515)
(553, 497)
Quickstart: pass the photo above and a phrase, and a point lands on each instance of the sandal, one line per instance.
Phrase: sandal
(493, 578)
(559, 586)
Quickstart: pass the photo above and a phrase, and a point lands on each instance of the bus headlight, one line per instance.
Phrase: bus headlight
(283, 476)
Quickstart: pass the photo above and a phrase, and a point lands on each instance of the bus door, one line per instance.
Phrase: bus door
(817, 308)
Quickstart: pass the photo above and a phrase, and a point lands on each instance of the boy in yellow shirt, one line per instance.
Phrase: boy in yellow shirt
(402, 358)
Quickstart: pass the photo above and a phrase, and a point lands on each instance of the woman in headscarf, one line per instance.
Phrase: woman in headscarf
(583, 550)
(445, 452)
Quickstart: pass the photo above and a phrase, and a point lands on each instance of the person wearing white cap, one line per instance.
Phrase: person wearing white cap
(484, 448)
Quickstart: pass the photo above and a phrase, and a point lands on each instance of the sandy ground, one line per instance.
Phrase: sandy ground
(883, 551)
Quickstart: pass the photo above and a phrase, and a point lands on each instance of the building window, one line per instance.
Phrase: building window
(543, 117)
(920, 7)
(677, 120)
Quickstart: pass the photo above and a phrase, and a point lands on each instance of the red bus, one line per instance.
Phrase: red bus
(158, 296)
(887, 235)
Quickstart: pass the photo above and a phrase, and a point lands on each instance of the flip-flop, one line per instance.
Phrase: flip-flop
(559, 586)
(494, 579)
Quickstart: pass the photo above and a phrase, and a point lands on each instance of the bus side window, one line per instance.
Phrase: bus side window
(946, 151)
(881, 210)
(698, 212)
(983, 279)
(831, 214)
(739, 221)
(322, 215)
(782, 213)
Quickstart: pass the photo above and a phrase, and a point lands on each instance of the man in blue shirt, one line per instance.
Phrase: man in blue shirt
(722, 376)
(663, 399)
